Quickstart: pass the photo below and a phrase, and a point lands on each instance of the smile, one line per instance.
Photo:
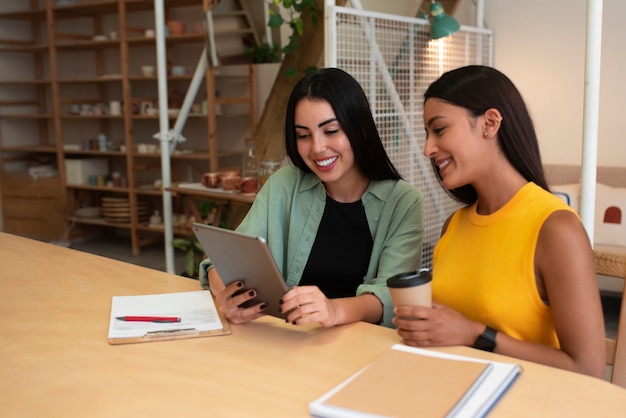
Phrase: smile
(442, 164)
(326, 162)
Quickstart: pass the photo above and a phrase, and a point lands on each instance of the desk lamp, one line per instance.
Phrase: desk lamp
(441, 24)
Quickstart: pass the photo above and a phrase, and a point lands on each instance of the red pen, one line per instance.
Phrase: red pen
(148, 318)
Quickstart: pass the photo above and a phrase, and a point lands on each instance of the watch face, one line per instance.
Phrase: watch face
(487, 340)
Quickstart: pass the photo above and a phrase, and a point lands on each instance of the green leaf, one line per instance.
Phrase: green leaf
(314, 20)
(190, 263)
(290, 72)
(299, 7)
(310, 70)
(276, 20)
(198, 247)
(181, 244)
(299, 26)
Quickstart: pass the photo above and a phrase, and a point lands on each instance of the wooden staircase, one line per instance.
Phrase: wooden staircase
(230, 31)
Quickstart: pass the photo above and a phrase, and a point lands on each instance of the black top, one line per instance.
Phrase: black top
(341, 251)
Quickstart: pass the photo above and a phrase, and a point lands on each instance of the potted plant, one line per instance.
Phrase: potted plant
(193, 256)
(295, 10)
(264, 53)
(194, 253)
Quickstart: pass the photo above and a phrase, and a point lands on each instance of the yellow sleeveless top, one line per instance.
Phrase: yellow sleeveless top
(483, 266)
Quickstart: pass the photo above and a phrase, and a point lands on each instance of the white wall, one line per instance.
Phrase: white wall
(540, 45)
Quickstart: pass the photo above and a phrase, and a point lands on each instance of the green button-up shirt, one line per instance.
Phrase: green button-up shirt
(287, 212)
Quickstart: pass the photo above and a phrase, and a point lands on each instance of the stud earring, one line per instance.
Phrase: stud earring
(485, 134)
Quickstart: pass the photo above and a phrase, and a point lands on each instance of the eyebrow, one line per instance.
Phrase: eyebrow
(326, 122)
(433, 119)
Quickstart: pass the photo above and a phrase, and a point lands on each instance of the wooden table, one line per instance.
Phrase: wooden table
(55, 360)
(195, 192)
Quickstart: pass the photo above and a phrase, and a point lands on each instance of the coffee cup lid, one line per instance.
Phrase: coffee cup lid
(409, 279)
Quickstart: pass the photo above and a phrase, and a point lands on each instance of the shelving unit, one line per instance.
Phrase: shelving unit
(75, 58)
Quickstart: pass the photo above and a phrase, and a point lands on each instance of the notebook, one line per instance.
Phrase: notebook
(412, 382)
(237, 256)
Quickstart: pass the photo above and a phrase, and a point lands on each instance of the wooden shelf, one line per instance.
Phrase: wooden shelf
(24, 48)
(36, 15)
(109, 71)
(42, 82)
(44, 149)
(25, 116)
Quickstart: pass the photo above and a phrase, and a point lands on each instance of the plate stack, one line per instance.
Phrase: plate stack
(118, 210)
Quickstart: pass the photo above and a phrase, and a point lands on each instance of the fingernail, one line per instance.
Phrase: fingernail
(263, 306)
(251, 293)
(280, 302)
(239, 284)
(293, 323)
(286, 321)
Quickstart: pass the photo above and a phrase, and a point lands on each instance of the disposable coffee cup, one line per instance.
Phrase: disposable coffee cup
(413, 288)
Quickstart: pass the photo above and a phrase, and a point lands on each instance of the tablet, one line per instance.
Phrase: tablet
(237, 256)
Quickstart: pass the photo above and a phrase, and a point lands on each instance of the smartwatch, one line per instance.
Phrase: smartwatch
(487, 340)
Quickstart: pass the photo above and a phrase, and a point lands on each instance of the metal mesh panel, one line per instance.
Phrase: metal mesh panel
(395, 60)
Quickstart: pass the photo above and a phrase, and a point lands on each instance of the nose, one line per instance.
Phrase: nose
(318, 144)
(430, 148)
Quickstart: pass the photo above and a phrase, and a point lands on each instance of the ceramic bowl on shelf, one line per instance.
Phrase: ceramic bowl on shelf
(179, 70)
(88, 212)
(176, 27)
(147, 70)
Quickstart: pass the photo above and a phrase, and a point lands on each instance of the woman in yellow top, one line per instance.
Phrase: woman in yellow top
(513, 271)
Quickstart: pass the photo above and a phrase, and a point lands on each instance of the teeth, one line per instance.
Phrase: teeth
(326, 162)
(443, 164)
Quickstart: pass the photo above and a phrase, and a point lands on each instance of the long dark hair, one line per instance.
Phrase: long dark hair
(478, 88)
(353, 113)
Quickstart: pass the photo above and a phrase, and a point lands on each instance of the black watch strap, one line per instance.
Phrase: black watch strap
(487, 340)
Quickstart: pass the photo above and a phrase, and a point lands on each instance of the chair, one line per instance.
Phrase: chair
(611, 261)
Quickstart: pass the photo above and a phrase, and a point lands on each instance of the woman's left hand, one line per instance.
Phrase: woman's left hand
(306, 305)
(437, 326)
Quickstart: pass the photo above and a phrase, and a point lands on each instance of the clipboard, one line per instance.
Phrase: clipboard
(199, 317)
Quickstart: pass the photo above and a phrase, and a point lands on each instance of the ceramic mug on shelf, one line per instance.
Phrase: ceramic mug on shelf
(147, 108)
(249, 185)
(212, 180)
(231, 182)
(115, 108)
(176, 27)
(147, 70)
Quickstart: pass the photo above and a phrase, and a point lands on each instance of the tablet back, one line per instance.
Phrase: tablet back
(242, 257)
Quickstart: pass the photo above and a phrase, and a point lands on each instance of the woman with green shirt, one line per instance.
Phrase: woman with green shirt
(339, 222)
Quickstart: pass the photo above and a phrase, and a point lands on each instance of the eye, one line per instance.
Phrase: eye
(331, 131)
(303, 135)
(438, 130)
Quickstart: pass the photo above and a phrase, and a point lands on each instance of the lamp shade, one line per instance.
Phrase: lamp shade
(442, 25)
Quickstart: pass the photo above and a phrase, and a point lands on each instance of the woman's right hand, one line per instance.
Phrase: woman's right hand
(230, 300)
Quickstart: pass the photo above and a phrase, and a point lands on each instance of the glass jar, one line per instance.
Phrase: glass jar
(250, 161)
(268, 167)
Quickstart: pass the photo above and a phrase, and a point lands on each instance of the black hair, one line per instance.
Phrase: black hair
(351, 107)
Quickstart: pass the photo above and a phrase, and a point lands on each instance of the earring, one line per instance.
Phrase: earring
(485, 134)
(499, 118)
